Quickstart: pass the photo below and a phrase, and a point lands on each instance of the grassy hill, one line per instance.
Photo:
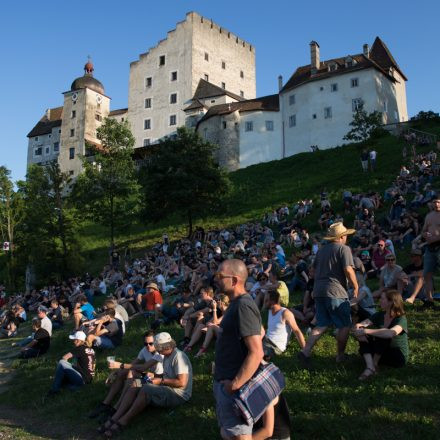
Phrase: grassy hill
(327, 402)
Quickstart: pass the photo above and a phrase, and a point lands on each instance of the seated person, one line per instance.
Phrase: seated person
(75, 376)
(120, 312)
(274, 284)
(210, 324)
(176, 310)
(129, 302)
(281, 323)
(305, 312)
(107, 331)
(391, 277)
(39, 344)
(387, 343)
(362, 307)
(147, 363)
(55, 314)
(152, 300)
(10, 325)
(83, 310)
(173, 389)
(197, 313)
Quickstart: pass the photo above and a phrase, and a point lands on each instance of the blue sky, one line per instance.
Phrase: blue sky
(44, 45)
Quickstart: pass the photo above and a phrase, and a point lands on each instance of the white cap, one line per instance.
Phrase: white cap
(81, 336)
(162, 338)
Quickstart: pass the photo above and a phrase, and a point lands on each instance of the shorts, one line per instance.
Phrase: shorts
(104, 342)
(333, 311)
(270, 349)
(162, 396)
(227, 418)
(430, 260)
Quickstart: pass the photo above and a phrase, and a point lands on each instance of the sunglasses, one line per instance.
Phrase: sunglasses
(149, 344)
(390, 259)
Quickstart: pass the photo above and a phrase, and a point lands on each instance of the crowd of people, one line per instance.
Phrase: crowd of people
(218, 284)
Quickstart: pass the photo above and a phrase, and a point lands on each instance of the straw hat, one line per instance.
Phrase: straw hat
(338, 230)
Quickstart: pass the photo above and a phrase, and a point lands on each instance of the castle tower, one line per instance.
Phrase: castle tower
(85, 107)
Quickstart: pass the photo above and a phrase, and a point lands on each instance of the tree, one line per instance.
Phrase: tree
(108, 191)
(364, 125)
(182, 177)
(11, 216)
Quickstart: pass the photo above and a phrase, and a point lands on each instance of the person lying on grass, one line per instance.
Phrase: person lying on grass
(173, 389)
(148, 363)
(387, 343)
(75, 376)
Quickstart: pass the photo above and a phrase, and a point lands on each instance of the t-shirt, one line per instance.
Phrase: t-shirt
(242, 319)
(330, 263)
(114, 329)
(85, 362)
(88, 310)
(390, 276)
(145, 356)
(151, 299)
(43, 340)
(283, 290)
(411, 268)
(178, 363)
(399, 341)
(122, 312)
(46, 323)
(57, 315)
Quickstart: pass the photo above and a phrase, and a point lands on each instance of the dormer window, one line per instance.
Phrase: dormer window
(332, 67)
(350, 62)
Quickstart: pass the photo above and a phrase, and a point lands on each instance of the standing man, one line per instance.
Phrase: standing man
(373, 155)
(333, 266)
(239, 349)
(431, 233)
(364, 160)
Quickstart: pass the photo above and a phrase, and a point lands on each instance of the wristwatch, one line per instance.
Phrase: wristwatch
(122, 366)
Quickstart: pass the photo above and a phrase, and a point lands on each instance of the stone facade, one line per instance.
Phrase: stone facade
(164, 79)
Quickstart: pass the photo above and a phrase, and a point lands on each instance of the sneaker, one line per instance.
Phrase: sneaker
(102, 407)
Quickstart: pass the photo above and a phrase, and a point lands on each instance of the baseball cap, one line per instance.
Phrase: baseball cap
(81, 336)
(162, 338)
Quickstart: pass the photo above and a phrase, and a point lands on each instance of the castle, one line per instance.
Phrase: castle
(203, 76)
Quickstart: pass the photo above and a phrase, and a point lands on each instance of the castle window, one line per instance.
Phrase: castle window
(98, 117)
(147, 103)
(47, 150)
(292, 121)
(173, 119)
(206, 56)
(71, 173)
(223, 85)
(224, 125)
(162, 60)
(314, 116)
(173, 76)
(327, 112)
(38, 151)
(147, 124)
(73, 114)
(173, 98)
(291, 99)
(56, 147)
(354, 82)
(356, 104)
(146, 142)
(206, 77)
(72, 132)
(36, 139)
(242, 93)
(148, 82)
(72, 153)
(223, 65)
(249, 126)
(334, 87)
(269, 125)
(241, 74)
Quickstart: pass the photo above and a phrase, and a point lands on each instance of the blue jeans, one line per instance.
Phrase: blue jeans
(297, 282)
(25, 341)
(66, 375)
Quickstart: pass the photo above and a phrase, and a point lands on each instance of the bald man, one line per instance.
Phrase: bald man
(239, 348)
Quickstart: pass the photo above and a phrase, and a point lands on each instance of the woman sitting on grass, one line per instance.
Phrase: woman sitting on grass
(387, 343)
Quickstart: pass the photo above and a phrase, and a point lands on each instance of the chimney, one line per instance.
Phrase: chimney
(280, 82)
(48, 114)
(314, 56)
(366, 50)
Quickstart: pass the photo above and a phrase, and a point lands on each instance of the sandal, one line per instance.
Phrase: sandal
(201, 352)
(115, 429)
(365, 375)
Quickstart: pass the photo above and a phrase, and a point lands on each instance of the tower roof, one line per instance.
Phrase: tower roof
(87, 80)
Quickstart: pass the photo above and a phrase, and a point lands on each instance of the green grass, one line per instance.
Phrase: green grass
(327, 402)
